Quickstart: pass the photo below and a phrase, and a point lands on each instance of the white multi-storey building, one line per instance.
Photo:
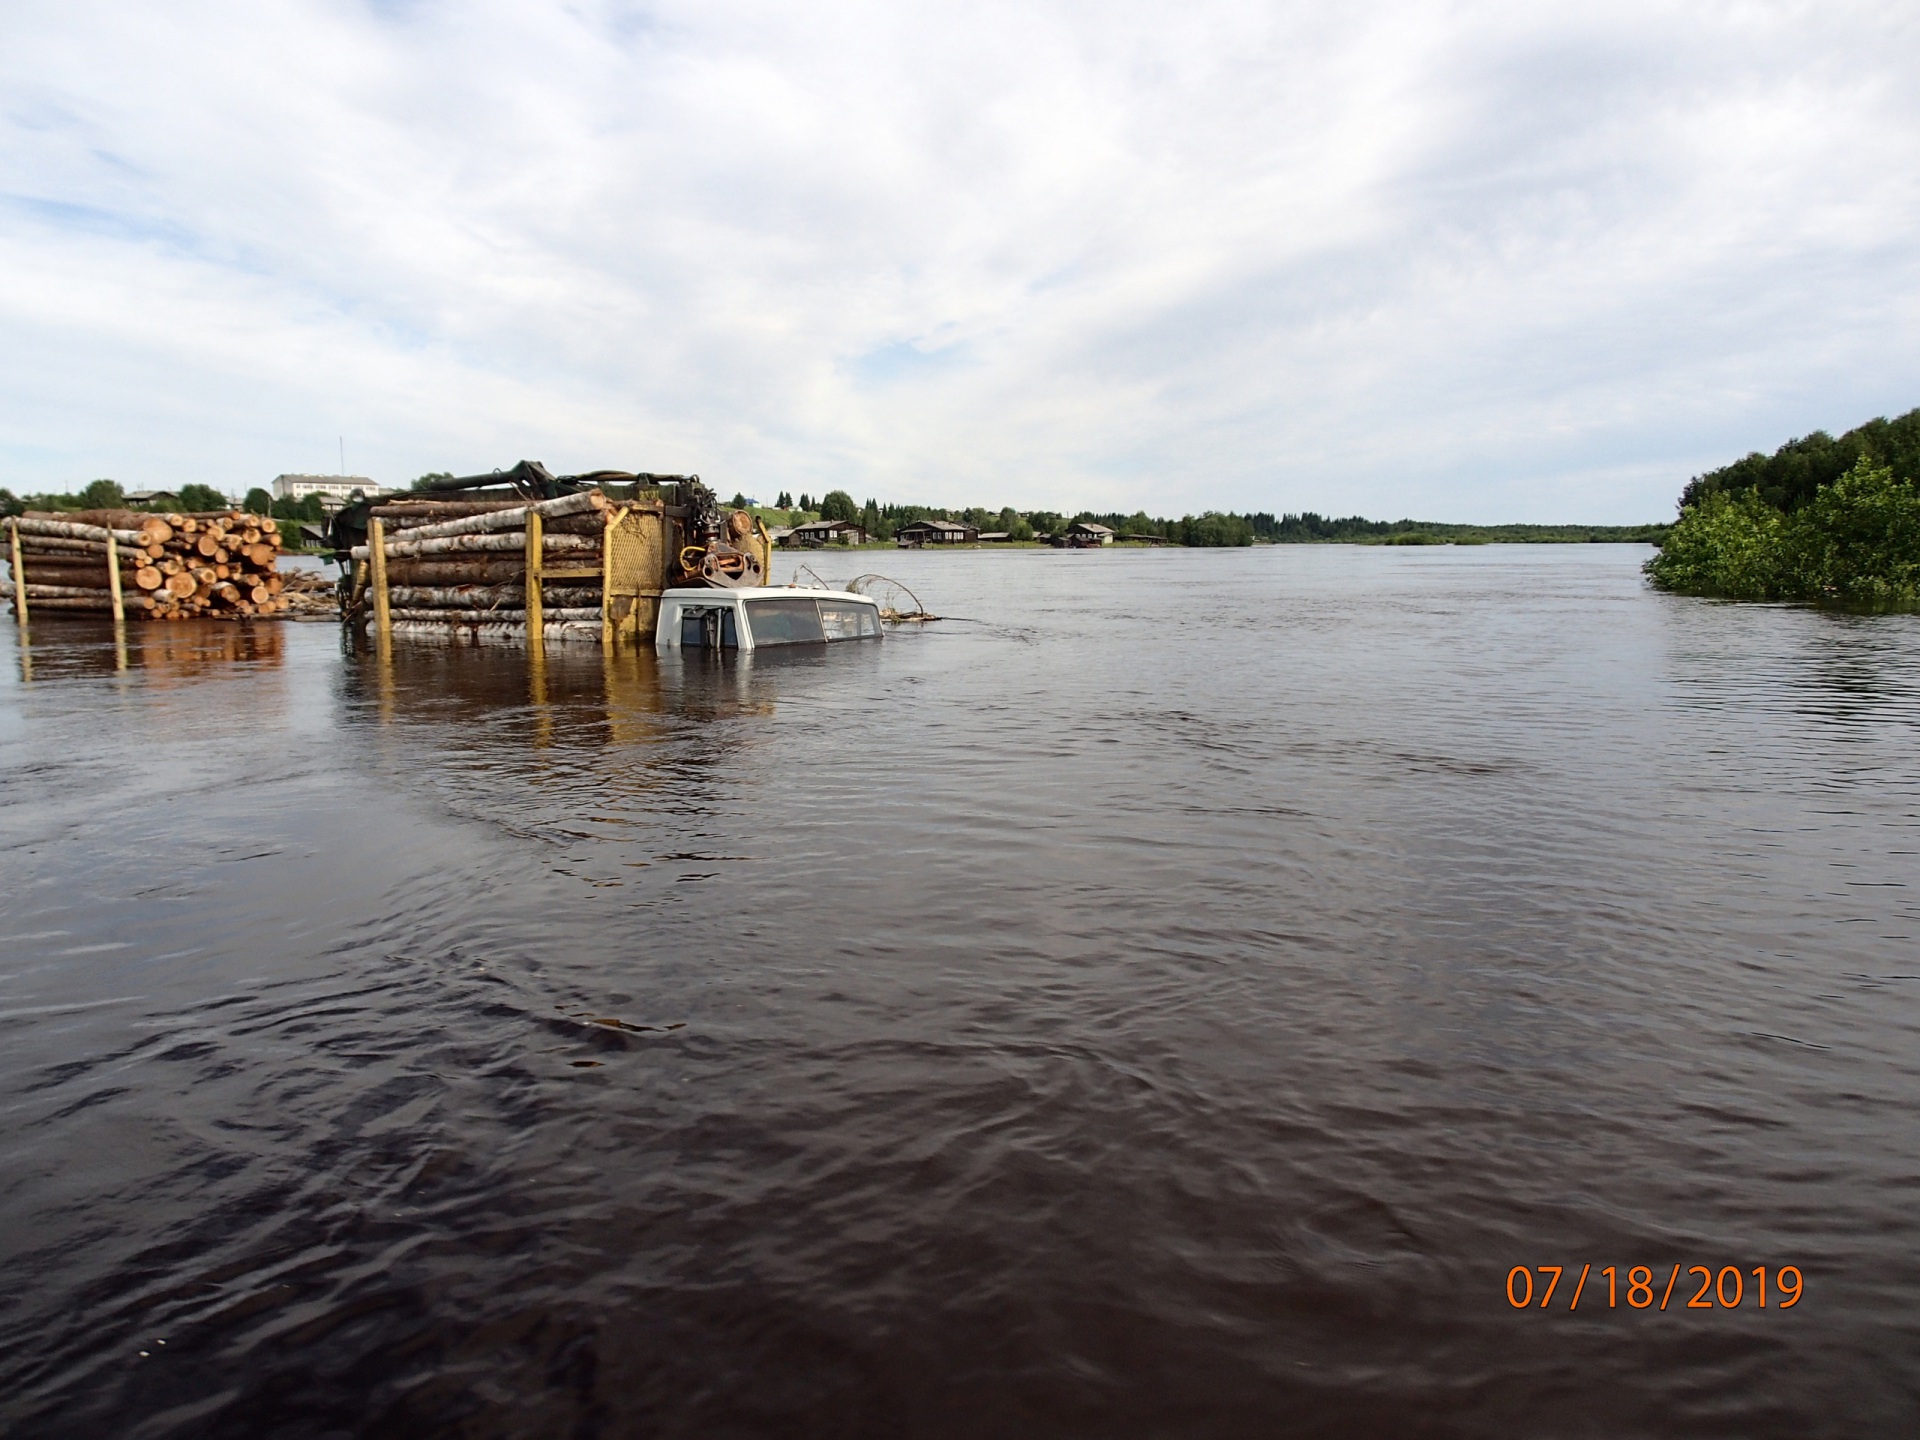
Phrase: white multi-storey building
(333, 490)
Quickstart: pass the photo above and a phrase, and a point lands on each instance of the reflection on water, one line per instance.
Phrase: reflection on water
(1073, 1020)
(164, 653)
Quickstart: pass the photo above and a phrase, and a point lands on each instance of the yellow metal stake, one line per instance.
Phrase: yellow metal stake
(536, 612)
(19, 580)
(377, 562)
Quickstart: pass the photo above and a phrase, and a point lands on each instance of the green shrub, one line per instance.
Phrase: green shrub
(1855, 542)
(1723, 545)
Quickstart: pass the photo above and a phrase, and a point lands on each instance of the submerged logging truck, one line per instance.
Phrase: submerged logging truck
(527, 555)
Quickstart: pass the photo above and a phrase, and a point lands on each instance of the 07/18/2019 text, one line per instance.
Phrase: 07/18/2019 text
(1725, 1289)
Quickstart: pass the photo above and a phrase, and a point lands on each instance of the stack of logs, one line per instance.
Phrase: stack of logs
(464, 563)
(220, 565)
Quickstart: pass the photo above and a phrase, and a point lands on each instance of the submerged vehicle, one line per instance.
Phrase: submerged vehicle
(758, 617)
(609, 556)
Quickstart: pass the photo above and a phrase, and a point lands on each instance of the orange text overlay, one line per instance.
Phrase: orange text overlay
(1640, 1287)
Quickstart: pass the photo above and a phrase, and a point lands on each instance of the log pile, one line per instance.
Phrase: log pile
(310, 595)
(461, 565)
(221, 565)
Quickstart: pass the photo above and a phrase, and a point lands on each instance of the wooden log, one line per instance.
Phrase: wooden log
(457, 570)
(96, 598)
(399, 513)
(493, 617)
(490, 597)
(52, 545)
(94, 604)
(515, 519)
(592, 523)
(153, 529)
(573, 546)
(66, 530)
(64, 569)
(498, 633)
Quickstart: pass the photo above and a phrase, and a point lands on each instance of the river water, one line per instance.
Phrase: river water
(1166, 998)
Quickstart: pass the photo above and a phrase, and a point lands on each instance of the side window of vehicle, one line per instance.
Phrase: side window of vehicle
(708, 627)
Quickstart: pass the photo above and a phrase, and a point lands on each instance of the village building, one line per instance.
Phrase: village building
(993, 537)
(334, 490)
(935, 532)
(1086, 532)
(150, 497)
(826, 532)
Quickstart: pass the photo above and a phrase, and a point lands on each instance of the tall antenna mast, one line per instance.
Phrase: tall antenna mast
(343, 456)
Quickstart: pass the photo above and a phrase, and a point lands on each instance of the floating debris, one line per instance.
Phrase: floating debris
(898, 604)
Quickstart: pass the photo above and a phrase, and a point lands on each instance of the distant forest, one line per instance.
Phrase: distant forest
(1214, 528)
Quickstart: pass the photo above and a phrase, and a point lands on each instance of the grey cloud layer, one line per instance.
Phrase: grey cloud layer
(1482, 261)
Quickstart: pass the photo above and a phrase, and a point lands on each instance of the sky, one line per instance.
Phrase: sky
(1454, 261)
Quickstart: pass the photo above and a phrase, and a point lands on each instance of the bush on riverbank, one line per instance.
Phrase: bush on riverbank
(1853, 542)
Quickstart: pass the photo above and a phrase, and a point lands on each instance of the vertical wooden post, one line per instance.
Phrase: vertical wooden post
(113, 579)
(536, 601)
(609, 639)
(19, 577)
(377, 563)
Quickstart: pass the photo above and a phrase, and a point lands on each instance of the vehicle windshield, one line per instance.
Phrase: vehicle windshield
(800, 620)
(785, 621)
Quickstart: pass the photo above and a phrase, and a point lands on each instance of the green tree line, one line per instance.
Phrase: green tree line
(1795, 473)
(1212, 528)
(193, 498)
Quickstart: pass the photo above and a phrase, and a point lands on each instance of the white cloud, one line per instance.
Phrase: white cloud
(1480, 261)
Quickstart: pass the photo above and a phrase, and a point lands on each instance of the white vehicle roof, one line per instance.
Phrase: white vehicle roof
(704, 596)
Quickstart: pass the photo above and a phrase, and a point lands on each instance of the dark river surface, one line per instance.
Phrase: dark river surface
(1167, 1001)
